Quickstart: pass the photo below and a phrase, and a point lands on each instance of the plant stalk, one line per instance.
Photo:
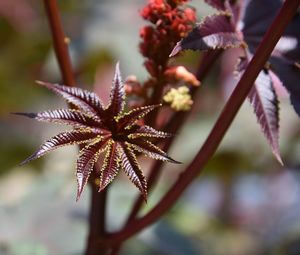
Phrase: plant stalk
(96, 220)
(221, 126)
(174, 124)
(98, 200)
(60, 42)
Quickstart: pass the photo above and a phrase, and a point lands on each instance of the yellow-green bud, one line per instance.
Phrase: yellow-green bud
(179, 99)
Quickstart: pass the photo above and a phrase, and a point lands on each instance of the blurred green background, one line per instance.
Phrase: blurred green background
(244, 203)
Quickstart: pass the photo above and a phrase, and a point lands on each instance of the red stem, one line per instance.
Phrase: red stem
(59, 42)
(221, 126)
(174, 124)
(96, 220)
(98, 200)
(208, 58)
(156, 96)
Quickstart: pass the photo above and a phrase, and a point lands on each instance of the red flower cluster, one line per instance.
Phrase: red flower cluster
(171, 22)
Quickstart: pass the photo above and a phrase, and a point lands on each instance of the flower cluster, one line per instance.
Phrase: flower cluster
(179, 99)
(170, 22)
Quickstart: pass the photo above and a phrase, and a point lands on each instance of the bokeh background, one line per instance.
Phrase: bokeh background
(244, 203)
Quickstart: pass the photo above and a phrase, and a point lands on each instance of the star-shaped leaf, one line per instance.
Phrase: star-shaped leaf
(102, 129)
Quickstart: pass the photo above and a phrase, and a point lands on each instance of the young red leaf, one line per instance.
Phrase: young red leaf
(131, 167)
(117, 95)
(102, 129)
(65, 116)
(86, 161)
(85, 100)
(147, 132)
(110, 167)
(151, 150)
(128, 119)
(62, 139)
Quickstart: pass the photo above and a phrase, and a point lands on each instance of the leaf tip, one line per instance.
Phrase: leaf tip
(176, 49)
(174, 161)
(30, 158)
(145, 198)
(279, 159)
(80, 185)
(41, 82)
(79, 192)
(26, 114)
(117, 70)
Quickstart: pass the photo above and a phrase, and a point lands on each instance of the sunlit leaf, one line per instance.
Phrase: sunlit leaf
(85, 163)
(83, 99)
(265, 103)
(110, 167)
(65, 116)
(62, 139)
(131, 167)
(264, 100)
(99, 129)
(128, 119)
(117, 95)
(151, 150)
(147, 132)
(215, 32)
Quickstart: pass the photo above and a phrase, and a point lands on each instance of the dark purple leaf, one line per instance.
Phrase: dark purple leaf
(69, 117)
(215, 32)
(110, 167)
(265, 103)
(289, 74)
(257, 18)
(151, 150)
(131, 167)
(102, 129)
(117, 95)
(62, 139)
(148, 132)
(126, 120)
(217, 4)
(83, 99)
(85, 163)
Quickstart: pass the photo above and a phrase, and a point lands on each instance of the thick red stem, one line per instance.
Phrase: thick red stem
(174, 124)
(98, 200)
(60, 42)
(96, 221)
(225, 119)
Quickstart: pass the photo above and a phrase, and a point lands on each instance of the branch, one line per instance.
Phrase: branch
(221, 126)
(208, 58)
(59, 42)
(98, 200)
(96, 219)
(174, 124)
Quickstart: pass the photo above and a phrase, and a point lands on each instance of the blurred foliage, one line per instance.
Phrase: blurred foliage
(244, 203)
(93, 61)
(22, 55)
